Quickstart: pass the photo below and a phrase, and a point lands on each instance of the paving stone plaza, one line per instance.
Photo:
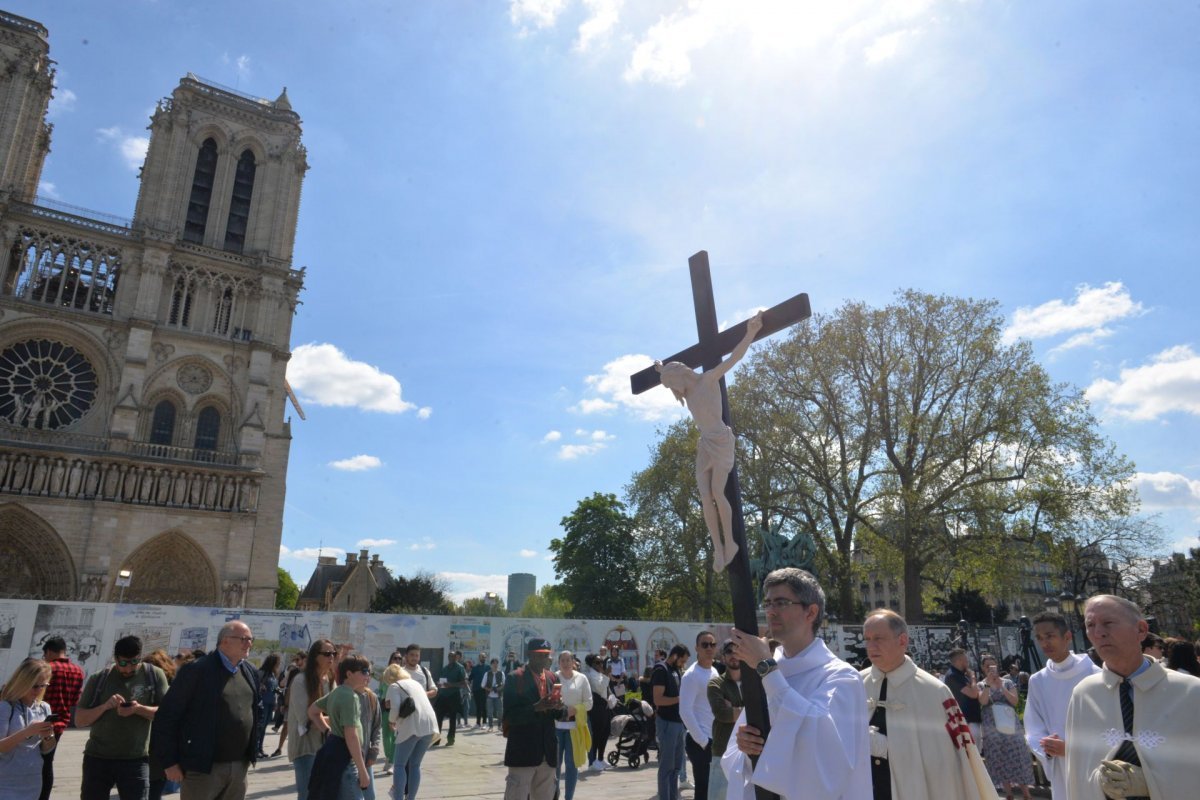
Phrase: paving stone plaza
(474, 767)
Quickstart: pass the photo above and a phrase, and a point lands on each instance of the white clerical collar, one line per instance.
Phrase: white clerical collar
(814, 655)
(1069, 667)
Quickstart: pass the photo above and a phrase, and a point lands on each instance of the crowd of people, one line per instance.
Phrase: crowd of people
(1111, 723)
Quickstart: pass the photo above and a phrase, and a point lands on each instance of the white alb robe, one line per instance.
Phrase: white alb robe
(1046, 712)
(930, 749)
(818, 747)
(1166, 708)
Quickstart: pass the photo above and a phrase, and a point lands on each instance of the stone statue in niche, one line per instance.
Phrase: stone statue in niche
(233, 594)
(701, 393)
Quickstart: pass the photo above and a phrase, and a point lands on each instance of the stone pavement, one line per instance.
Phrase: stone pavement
(473, 768)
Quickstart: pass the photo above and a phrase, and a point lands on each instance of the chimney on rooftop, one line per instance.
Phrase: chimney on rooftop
(375, 562)
(363, 555)
(351, 558)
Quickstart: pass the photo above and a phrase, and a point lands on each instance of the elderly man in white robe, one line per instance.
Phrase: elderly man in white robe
(1049, 693)
(817, 748)
(921, 746)
(1131, 728)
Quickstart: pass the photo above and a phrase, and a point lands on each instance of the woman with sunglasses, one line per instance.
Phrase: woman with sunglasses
(304, 739)
(26, 731)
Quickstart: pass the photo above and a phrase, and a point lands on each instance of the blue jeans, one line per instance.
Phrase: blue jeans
(565, 751)
(406, 766)
(350, 789)
(670, 754)
(718, 784)
(494, 710)
(302, 766)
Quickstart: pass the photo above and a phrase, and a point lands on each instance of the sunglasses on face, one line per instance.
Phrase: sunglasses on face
(707, 645)
(328, 653)
(127, 662)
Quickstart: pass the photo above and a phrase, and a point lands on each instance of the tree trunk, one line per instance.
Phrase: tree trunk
(914, 609)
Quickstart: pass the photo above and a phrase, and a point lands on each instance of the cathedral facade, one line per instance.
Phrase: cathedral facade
(143, 438)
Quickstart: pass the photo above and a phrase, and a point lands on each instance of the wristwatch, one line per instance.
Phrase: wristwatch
(766, 666)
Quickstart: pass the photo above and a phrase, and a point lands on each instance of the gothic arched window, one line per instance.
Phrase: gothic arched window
(239, 204)
(162, 424)
(202, 186)
(208, 429)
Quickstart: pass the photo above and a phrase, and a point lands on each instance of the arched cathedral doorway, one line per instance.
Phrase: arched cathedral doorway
(34, 560)
(169, 569)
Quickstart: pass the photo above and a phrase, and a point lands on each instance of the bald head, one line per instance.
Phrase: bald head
(1118, 604)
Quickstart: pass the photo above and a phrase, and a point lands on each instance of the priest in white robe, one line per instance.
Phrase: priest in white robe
(817, 748)
(1131, 728)
(1049, 693)
(921, 746)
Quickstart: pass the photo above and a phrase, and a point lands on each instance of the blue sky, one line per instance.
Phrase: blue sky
(503, 197)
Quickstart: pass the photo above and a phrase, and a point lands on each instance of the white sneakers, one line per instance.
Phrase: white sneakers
(685, 784)
(598, 766)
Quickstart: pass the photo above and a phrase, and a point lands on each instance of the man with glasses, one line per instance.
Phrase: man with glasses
(119, 705)
(695, 712)
(818, 745)
(204, 731)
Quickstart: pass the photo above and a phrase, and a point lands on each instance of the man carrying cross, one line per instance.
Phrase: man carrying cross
(714, 453)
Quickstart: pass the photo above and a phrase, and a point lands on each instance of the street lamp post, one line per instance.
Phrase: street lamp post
(1066, 602)
(124, 578)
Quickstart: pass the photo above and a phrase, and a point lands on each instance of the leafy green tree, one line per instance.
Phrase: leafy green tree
(288, 592)
(918, 430)
(480, 607)
(548, 602)
(423, 593)
(673, 544)
(595, 560)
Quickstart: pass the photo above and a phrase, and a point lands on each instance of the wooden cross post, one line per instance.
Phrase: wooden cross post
(712, 347)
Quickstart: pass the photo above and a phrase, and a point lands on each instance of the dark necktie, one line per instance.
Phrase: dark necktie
(1127, 752)
(881, 770)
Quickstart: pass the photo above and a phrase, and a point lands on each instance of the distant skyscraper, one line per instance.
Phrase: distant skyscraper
(521, 585)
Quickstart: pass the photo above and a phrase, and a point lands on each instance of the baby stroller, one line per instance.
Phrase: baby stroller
(637, 736)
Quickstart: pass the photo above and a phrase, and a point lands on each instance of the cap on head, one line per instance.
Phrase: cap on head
(537, 646)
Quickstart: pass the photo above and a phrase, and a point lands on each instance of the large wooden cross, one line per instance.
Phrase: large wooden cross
(708, 352)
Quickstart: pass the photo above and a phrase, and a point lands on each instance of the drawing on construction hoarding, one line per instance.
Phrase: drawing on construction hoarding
(623, 639)
(470, 638)
(516, 636)
(8, 624)
(192, 639)
(575, 639)
(81, 626)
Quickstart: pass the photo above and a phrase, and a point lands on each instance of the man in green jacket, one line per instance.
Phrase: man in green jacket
(725, 697)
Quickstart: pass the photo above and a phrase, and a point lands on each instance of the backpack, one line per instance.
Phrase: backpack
(148, 672)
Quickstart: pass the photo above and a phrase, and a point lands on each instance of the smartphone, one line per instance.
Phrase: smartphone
(53, 718)
(127, 704)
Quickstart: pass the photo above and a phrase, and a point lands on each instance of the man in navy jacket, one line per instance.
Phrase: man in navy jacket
(204, 731)
(530, 709)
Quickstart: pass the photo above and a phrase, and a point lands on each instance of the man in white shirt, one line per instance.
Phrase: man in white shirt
(696, 713)
(818, 746)
(1049, 693)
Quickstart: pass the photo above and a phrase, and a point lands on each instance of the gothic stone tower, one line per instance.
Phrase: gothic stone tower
(142, 363)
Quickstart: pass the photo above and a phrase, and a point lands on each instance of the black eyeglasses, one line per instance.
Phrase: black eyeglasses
(365, 670)
(779, 604)
(327, 653)
(707, 645)
(246, 639)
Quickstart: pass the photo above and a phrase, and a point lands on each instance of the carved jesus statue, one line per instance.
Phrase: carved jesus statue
(701, 393)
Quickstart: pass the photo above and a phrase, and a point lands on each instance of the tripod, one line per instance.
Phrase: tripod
(1030, 657)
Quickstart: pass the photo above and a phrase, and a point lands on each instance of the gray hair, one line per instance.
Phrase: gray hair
(803, 585)
(231, 629)
(895, 622)
(1128, 606)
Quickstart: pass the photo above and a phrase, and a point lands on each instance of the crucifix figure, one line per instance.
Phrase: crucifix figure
(708, 353)
(702, 394)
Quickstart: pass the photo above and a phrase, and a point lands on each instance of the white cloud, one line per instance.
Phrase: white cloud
(325, 376)
(1169, 383)
(242, 65)
(311, 553)
(528, 554)
(536, 13)
(470, 584)
(664, 53)
(369, 543)
(425, 544)
(1089, 312)
(603, 16)
(131, 148)
(63, 100)
(885, 47)
(552, 436)
(1162, 491)
(359, 463)
(48, 189)
(611, 388)
(424, 412)
(570, 452)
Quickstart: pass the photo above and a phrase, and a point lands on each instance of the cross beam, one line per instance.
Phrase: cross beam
(713, 345)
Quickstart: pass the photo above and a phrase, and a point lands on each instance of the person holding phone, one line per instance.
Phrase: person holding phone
(1004, 749)
(26, 730)
(119, 705)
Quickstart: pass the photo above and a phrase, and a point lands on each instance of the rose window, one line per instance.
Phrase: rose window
(44, 384)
